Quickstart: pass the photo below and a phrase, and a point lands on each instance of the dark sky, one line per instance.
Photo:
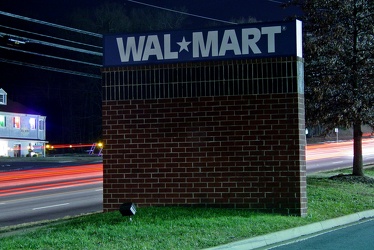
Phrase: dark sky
(55, 11)
(72, 103)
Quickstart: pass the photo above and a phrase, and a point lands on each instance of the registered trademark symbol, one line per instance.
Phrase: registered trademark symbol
(284, 28)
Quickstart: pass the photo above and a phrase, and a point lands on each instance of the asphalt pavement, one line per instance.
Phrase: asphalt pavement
(358, 236)
(355, 235)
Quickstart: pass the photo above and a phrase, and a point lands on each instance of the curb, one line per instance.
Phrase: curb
(289, 234)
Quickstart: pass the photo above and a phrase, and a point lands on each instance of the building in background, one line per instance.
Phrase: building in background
(22, 131)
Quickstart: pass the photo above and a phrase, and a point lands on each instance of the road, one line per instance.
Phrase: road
(328, 156)
(43, 206)
(358, 236)
(51, 190)
(48, 190)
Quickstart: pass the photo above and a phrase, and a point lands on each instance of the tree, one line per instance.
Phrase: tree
(339, 66)
(117, 18)
(248, 19)
(149, 19)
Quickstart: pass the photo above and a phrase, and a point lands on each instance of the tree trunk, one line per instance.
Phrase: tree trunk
(358, 165)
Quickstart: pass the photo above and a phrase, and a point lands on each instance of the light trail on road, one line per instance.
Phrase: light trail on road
(333, 150)
(49, 172)
(44, 186)
(27, 181)
(333, 156)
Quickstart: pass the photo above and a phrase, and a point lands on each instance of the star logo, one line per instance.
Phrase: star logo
(183, 45)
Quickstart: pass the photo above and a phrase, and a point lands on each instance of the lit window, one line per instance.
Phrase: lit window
(41, 125)
(2, 99)
(32, 122)
(2, 121)
(16, 122)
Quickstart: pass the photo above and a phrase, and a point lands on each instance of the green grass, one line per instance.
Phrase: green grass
(192, 228)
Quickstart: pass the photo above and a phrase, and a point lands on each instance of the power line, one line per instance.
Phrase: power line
(23, 40)
(275, 1)
(52, 37)
(180, 12)
(27, 40)
(49, 56)
(66, 47)
(50, 24)
(71, 72)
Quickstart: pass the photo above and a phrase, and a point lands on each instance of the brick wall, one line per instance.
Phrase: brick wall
(225, 150)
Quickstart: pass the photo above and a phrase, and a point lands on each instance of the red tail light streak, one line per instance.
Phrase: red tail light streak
(26, 181)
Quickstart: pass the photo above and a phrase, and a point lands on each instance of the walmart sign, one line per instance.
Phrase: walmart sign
(230, 42)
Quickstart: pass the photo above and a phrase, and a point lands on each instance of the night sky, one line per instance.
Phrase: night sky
(56, 11)
(73, 112)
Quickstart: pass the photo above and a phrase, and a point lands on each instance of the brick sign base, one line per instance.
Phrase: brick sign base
(219, 134)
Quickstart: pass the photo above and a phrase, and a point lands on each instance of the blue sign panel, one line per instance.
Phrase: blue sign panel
(229, 42)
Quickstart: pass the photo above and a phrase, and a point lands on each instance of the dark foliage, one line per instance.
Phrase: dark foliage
(339, 66)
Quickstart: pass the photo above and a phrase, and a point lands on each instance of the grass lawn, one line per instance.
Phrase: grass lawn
(191, 228)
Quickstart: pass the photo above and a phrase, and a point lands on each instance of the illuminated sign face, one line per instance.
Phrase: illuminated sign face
(241, 41)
